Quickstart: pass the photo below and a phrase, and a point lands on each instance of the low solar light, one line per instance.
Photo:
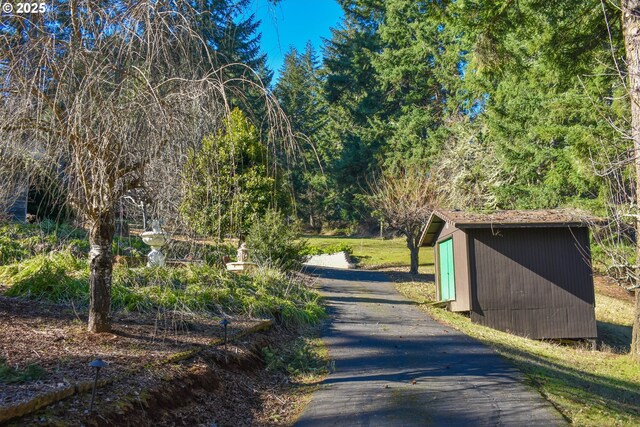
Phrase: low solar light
(97, 364)
(225, 322)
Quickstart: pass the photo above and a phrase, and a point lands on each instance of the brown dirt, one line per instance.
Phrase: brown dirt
(607, 286)
(200, 391)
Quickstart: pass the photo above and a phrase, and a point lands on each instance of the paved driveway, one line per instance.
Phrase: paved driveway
(395, 366)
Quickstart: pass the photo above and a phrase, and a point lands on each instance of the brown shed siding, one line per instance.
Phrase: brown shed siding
(462, 301)
(536, 282)
(461, 267)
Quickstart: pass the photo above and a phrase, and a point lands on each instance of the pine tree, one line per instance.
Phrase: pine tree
(352, 91)
(299, 93)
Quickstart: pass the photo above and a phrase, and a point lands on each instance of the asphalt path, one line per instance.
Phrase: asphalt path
(392, 365)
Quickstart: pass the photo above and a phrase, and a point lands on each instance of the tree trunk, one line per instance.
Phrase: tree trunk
(414, 249)
(631, 30)
(101, 234)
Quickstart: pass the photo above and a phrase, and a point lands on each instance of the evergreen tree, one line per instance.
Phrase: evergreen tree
(420, 70)
(352, 91)
(238, 42)
(534, 70)
(234, 43)
(299, 93)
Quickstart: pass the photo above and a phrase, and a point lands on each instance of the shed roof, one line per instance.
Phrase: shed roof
(505, 219)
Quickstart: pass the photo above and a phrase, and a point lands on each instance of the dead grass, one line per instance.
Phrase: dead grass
(590, 388)
(306, 382)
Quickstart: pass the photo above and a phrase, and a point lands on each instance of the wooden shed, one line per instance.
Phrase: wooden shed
(524, 272)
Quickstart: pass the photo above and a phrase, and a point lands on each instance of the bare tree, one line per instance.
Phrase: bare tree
(105, 89)
(404, 201)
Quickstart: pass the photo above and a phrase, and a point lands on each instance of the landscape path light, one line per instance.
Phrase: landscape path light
(225, 322)
(97, 364)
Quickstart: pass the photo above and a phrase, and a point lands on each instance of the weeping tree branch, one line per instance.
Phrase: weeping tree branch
(105, 92)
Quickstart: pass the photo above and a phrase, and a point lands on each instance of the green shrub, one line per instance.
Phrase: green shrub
(297, 303)
(60, 277)
(21, 241)
(301, 358)
(210, 254)
(47, 227)
(11, 250)
(208, 289)
(18, 230)
(234, 159)
(328, 249)
(132, 246)
(273, 242)
(78, 247)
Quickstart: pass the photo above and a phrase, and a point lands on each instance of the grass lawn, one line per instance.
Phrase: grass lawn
(372, 253)
(590, 388)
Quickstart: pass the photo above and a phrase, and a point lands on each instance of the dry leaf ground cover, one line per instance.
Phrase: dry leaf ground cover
(253, 383)
(54, 338)
(160, 316)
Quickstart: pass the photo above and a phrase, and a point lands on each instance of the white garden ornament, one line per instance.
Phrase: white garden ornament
(156, 239)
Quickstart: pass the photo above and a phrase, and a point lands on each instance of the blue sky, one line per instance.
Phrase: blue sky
(293, 23)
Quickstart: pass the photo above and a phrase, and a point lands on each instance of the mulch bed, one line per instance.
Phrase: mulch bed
(214, 387)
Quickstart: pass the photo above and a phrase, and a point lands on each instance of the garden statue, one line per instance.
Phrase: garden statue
(243, 253)
(156, 240)
(242, 264)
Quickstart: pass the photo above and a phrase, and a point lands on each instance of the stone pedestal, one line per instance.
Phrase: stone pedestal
(156, 239)
(242, 264)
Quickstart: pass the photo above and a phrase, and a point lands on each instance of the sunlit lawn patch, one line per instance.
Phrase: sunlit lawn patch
(371, 252)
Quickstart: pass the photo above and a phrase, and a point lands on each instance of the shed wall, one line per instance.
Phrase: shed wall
(462, 301)
(535, 282)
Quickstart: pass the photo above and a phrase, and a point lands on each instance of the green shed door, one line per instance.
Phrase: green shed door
(447, 281)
